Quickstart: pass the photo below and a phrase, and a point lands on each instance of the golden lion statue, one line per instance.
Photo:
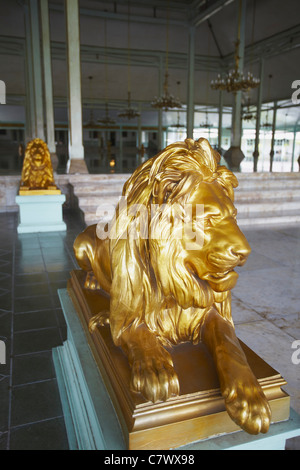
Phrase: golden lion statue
(168, 264)
(37, 172)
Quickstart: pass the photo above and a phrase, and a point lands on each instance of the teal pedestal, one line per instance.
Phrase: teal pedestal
(91, 420)
(41, 213)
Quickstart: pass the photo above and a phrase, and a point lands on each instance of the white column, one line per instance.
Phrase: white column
(76, 162)
(29, 86)
(38, 130)
(49, 112)
(190, 90)
(258, 116)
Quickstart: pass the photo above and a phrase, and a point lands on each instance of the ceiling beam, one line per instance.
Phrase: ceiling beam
(110, 15)
(210, 10)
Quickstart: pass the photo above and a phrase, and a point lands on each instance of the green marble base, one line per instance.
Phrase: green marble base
(41, 213)
(90, 417)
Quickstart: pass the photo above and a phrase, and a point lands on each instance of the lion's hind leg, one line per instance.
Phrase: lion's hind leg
(100, 319)
(91, 282)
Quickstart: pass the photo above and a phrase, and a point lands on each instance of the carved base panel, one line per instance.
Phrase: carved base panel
(197, 413)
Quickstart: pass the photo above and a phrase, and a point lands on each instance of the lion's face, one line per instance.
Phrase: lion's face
(223, 246)
(37, 153)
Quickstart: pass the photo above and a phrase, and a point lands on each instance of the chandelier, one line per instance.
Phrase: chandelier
(247, 115)
(91, 122)
(178, 125)
(235, 80)
(107, 120)
(166, 101)
(129, 112)
(206, 124)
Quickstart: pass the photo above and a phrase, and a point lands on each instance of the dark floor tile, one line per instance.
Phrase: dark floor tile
(35, 320)
(62, 265)
(33, 368)
(3, 441)
(6, 301)
(25, 279)
(4, 403)
(35, 402)
(57, 276)
(31, 290)
(47, 435)
(35, 341)
(6, 281)
(29, 267)
(31, 304)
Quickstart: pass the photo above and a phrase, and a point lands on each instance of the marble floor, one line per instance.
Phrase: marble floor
(266, 311)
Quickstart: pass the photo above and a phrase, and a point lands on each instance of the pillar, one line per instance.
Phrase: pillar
(190, 90)
(294, 145)
(273, 136)
(76, 163)
(49, 110)
(34, 84)
(258, 114)
(234, 154)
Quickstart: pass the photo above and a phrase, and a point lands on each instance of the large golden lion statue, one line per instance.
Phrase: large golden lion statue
(37, 172)
(168, 261)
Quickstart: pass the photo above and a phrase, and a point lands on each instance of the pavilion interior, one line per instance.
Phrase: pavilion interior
(126, 47)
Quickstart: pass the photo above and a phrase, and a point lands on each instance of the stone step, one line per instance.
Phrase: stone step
(287, 194)
(262, 184)
(289, 218)
(272, 206)
(89, 200)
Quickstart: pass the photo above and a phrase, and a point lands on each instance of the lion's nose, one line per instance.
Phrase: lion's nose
(242, 253)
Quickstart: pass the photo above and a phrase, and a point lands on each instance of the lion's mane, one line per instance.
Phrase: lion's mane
(171, 306)
(37, 177)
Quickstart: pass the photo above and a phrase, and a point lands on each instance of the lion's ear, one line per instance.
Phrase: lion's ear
(163, 185)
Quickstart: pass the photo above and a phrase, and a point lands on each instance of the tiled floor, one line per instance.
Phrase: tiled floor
(266, 311)
(32, 268)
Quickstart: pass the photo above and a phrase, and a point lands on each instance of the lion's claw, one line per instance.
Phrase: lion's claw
(247, 406)
(155, 377)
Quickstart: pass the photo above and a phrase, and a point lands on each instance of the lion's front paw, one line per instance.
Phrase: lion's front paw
(247, 405)
(153, 375)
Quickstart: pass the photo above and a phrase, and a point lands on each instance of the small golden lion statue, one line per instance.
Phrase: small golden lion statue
(168, 264)
(37, 172)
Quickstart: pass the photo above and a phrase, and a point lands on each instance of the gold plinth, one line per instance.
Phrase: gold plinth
(25, 191)
(197, 413)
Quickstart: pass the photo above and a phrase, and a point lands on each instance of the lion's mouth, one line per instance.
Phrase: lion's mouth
(219, 275)
(221, 281)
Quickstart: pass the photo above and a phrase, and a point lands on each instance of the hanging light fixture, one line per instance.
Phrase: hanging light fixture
(206, 124)
(166, 101)
(91, 122)
(267, 124)
(247, 114)
(129, 112)
(106, 120)
(235, 80)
